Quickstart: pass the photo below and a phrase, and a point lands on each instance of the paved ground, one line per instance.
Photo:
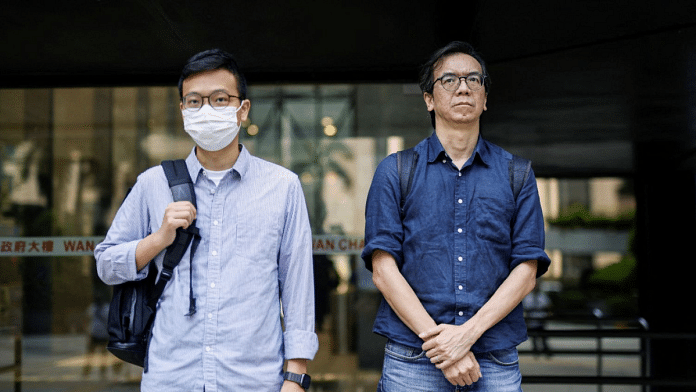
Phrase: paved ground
(58, 364)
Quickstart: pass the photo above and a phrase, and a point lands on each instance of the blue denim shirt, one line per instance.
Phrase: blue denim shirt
(462, 235)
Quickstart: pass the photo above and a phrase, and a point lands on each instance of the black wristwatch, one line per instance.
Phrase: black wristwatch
(302, 379)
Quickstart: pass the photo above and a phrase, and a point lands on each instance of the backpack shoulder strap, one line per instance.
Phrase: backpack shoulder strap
(182, 190)
(405, 164)
(518, 169)
(179, 180)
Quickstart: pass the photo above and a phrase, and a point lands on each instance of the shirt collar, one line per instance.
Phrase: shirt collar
(436, 151)
(194, 167)
(240, 167)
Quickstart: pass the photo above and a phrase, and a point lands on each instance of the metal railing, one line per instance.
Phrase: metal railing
(631, 329)
(16, 367)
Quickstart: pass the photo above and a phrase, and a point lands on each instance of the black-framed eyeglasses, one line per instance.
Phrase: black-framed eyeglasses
(451, 82)
(218, 100)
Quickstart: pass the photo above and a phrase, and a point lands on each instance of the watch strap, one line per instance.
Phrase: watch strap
(302, 379)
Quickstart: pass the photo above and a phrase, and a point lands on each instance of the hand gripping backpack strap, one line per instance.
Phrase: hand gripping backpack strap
(182, 190)
(405, 165)
(133, 304)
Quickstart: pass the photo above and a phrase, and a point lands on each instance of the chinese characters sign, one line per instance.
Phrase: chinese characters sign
(48, 246)
(84, 246)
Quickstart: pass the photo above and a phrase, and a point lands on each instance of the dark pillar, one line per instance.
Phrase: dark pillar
(665, 142)
(34, 213)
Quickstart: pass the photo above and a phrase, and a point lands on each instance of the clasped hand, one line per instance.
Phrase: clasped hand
(448, 347)
(177, 214)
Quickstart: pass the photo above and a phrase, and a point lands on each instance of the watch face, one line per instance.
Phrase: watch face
(306, 380)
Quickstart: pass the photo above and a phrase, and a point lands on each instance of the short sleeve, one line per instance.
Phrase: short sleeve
(528, 229)
(383, 228)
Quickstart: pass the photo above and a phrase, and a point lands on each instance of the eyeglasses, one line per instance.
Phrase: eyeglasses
(451, 82)
(218, 100)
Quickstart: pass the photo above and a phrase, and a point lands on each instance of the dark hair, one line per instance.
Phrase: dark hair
(427, 72)
(210, 60)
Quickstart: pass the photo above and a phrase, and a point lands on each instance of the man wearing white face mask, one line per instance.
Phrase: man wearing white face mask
(255, 253)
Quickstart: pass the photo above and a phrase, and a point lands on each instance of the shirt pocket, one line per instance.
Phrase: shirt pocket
(493, 217)
(258, 234)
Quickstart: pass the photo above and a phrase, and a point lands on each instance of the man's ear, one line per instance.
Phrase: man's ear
(244, 110)
(428, 98)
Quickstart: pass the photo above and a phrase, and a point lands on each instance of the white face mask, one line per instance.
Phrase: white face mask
(211, 129)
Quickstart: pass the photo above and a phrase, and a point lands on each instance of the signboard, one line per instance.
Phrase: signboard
(48, 246)
(84, 246)
(337, 244)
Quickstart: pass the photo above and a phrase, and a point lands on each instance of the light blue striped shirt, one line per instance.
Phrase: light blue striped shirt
(255, 254)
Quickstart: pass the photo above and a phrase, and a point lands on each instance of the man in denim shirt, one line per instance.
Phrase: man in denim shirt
(454, 271)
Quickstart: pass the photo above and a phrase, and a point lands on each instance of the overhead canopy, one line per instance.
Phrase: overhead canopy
(568, 77)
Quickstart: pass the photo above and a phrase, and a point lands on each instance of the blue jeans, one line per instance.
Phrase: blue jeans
(407, 369)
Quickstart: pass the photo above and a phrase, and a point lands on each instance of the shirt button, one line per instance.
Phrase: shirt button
(461, 313)
(214, 253)
(444, 161)
(460, 201)
(210, 315)
(460, 174)
(215, 222)
(459, 230)
(212, 285)
(207, 348)
(460, 258)
(461, 287)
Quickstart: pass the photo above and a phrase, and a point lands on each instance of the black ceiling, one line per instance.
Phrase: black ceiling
(145, 41)
(569, 77)
(91, 42)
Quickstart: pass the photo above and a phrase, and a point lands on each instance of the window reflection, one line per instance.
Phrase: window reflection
(69, 156)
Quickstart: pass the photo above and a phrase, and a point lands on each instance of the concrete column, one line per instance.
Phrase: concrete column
(665, 170)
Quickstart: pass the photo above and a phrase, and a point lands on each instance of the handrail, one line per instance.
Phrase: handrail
(613, 333)
(608, 380)
(16, 367)
(638, 331)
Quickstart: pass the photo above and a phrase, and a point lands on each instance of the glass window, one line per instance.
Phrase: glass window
(69, 156)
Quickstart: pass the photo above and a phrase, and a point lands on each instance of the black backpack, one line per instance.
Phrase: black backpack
(518, 171)
(133, 304)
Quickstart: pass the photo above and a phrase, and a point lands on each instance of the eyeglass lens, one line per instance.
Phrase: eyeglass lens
(217, 100)
(452, 82)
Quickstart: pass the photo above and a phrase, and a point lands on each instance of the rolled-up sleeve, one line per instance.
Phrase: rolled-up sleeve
(383, 228)
(528, 238)
(296, 277)
(115, 255)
